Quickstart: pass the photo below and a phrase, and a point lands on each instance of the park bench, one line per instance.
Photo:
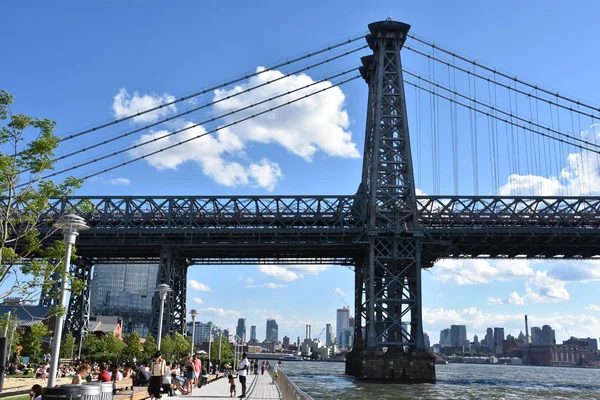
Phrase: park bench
(124, 389)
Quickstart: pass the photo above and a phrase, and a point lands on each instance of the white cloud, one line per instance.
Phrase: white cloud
(476, 271)
(249, 280)
(495, 300)
(198, 286)
(124, 104)
(279, 272)
(316, 123)
(119, 181)
(514, 298)
(269, 285)
(592, 307)
(312, 269)
(221, 312)
(340, 291)
(580, 176)
(210, 152)
(198, 300)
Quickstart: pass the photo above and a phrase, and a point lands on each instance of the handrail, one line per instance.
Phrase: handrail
(289, 390)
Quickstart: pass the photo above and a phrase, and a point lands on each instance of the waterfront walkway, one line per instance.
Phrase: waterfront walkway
(258, 387)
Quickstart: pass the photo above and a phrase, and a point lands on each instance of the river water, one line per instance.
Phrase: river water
(326, 380)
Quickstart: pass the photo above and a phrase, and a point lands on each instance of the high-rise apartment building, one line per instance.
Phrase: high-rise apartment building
(544, 336)
(272, 334)
(498, 339)
(489, 340)
(201, 331)
(342, 325)
(458, 335)
(240, 330)
(253, 334)
(426, 342)
(329, 335)
(125, 291)
(445, 338)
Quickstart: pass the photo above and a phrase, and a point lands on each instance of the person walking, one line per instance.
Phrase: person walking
(157, 370)
(242, 370)
(275, 370)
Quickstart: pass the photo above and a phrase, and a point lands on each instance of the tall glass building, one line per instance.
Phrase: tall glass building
(272, 333)
(126, 291)
(240, 330)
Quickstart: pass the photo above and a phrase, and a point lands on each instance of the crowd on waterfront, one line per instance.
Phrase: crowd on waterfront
(159, 375)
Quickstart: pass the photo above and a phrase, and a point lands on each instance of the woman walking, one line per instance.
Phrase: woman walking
(157, 370)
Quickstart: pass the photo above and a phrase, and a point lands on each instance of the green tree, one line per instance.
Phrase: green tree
(226, 349)
(132, 346)
(10, 324)
(92, 345)
(27, 145)
(149, 347)
(32, 343)
(113, 347)
(67, 347)
(166, 347)
(181, 347)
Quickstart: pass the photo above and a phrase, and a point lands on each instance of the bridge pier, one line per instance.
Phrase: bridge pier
(391, 366)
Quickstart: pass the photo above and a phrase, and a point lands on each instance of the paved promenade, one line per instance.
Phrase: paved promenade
(258, 387)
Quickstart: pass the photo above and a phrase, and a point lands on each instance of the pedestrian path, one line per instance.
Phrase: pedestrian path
(258, 387)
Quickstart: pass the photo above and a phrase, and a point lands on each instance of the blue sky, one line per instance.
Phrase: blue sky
(81, 64)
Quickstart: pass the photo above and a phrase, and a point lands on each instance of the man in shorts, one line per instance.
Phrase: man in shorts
(242, 374)
(275, 369)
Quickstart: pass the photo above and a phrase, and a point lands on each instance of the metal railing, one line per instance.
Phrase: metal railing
(288, 389)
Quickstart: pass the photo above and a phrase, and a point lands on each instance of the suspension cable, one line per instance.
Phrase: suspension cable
(597, 151)
(217, 129)
(513, 78)
(485, 78)
(129, 133)
(109, 155)
(227, 83)
(494, 109)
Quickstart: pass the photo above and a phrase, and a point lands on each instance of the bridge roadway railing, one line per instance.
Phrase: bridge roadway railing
(219, 212)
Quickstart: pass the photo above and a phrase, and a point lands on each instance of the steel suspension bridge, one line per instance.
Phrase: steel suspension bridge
(496, 125)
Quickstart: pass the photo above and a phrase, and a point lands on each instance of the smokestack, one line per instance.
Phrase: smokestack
(526, 330)
(310, 331)
(306, 333)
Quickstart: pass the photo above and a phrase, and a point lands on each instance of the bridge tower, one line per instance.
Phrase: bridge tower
(388, 276)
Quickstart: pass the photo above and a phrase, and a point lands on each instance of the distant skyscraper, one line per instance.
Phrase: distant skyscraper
(328, 335)
(240, 331)
(475, 340)
(201, 332)
(272, 334)
(286, 341)
(226, 333)
(489, 340)
(445, 337)
(126, 291)
(498, 339)
(342, 325)
(458, 335)
(253, 333)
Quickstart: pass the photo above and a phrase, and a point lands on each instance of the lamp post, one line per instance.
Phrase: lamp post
(209, 344)
(193, 313)
(162, 290)
(71, 225)
(220, 340)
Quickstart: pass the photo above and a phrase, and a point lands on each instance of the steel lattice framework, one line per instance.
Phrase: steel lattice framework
(384, 231)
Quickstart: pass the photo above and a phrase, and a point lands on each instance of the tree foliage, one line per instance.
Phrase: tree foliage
(226, 349)
(10, 324)
(32, 343)
(132, 346)
(149, 347)
(27, 146)
(67, 347)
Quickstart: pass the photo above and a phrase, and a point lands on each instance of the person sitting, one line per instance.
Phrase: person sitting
(82, 370)
(104, 375)
(143, 376)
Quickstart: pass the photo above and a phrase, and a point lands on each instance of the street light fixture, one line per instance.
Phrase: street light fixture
(162, 290)
(71, 225)
(193, 313)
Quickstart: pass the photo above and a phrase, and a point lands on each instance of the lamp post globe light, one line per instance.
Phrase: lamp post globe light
(193, 313)
(162, 290)
(71, 225)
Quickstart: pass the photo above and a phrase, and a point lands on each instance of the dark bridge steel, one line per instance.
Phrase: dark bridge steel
(328, 229)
